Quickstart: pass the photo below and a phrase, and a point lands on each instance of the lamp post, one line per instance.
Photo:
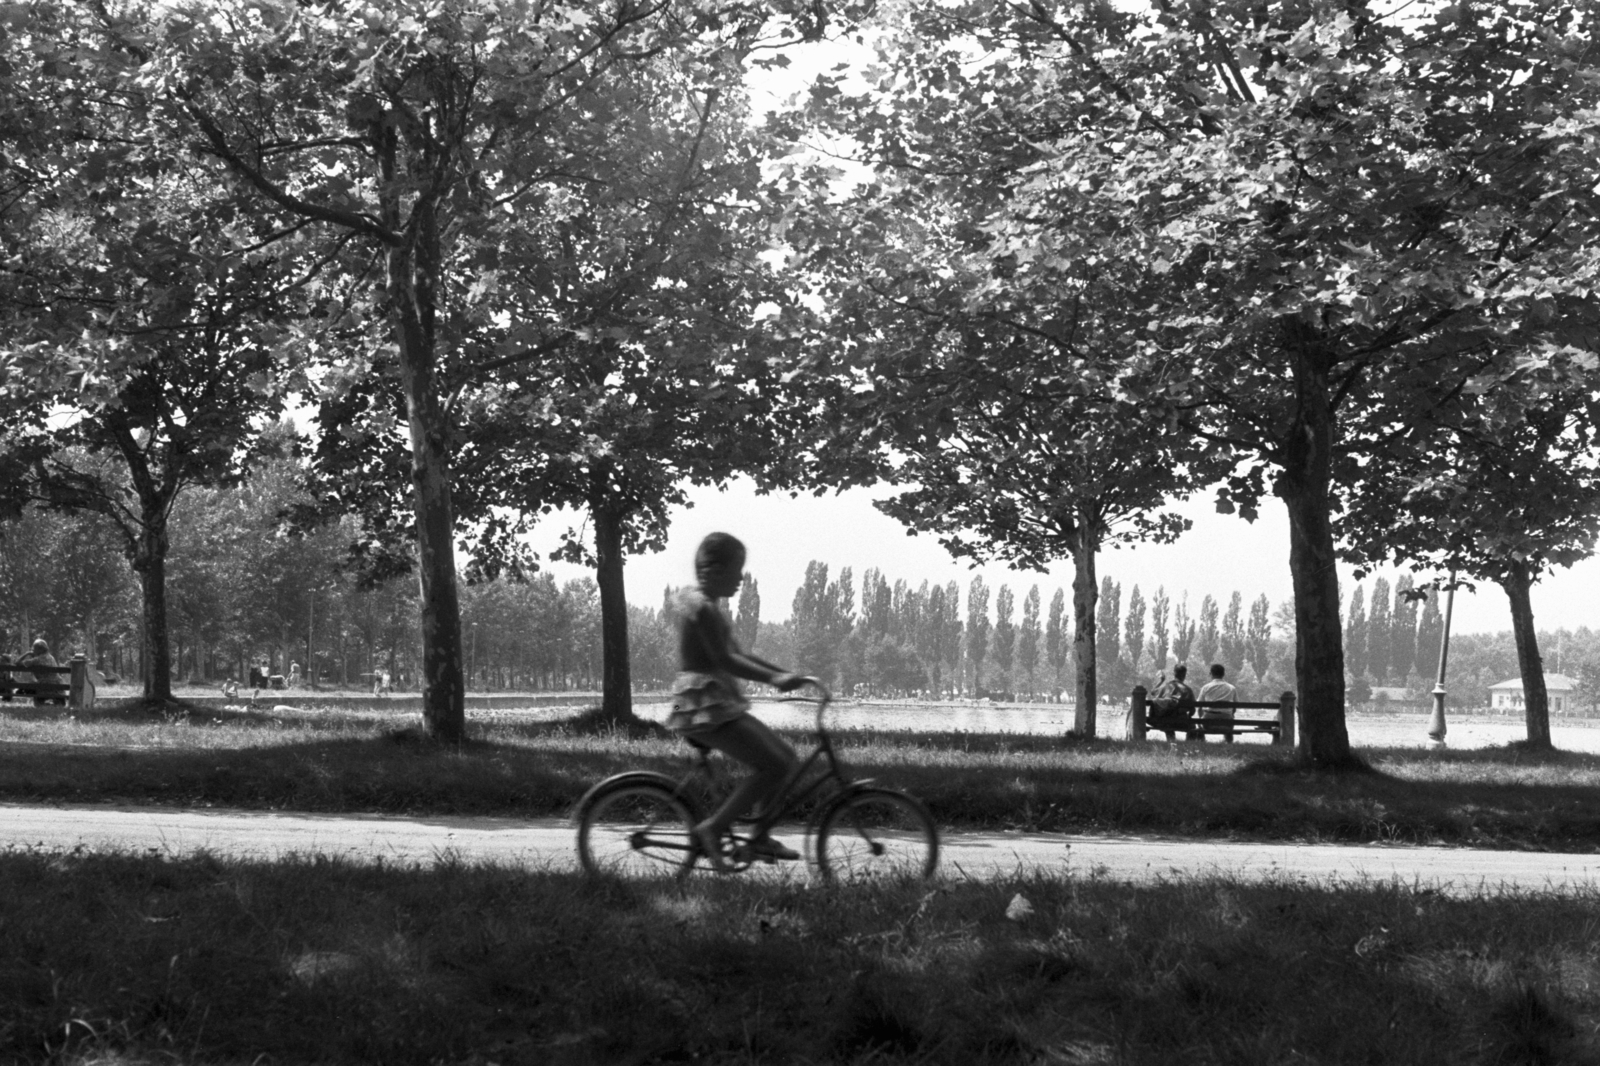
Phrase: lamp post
(1436, 726)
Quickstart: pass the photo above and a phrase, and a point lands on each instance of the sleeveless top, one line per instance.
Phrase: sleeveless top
(704, 694)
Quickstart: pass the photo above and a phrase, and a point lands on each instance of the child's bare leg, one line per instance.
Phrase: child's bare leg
(769, 757)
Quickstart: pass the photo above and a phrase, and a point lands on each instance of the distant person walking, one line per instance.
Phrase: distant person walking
(1218, 691)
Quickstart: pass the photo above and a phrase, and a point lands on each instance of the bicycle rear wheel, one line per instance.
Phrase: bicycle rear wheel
(635, 829)
(876, 833)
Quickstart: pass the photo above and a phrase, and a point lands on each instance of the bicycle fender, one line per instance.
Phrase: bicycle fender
(629, 777)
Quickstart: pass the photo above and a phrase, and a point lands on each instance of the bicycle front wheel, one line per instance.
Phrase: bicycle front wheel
(635, 829)
(876, 833)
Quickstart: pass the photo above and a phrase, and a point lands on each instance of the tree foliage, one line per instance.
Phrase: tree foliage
(143, 299)
(1307, 224)
(415, 143)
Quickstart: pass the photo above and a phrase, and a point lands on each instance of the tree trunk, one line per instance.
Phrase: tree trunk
(311, 622)
(1303, 485)
(411, 286)
(616, 687)
(1535, 698)
(1085, 597)
(147, 554)
(152, 571)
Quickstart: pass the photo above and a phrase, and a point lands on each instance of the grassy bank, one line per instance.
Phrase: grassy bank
(138, 961)
(366, 762)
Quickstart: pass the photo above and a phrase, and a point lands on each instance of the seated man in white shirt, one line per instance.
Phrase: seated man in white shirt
(1219, 691)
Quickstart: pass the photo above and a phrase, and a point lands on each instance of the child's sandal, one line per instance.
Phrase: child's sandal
(711, 847)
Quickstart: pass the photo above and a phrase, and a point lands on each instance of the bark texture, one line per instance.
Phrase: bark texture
(1085, 597)
(1518, 582)
(152, 571)
(1304, 485)
(616, 685)
(412, 267)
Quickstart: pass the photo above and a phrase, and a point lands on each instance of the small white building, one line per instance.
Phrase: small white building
(1507, 695)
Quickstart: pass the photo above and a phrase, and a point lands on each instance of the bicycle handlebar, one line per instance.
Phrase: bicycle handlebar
(823, 697)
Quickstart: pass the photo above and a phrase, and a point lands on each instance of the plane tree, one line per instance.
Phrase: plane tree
(644, 278)
(1304, 216)
(141, 302)
(640, 279)
(417, 135)
(983, 383)
(1505, 490)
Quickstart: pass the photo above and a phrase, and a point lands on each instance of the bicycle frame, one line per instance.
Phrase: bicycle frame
(789, 796)
(856, 829)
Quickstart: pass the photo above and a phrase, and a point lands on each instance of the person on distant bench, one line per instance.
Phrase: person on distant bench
(1218, 691)
(40, 656)
(1171, 704)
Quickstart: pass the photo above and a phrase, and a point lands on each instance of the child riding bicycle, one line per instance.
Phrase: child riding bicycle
(708, 707)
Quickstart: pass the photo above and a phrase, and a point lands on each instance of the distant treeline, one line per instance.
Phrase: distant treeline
(901, 639)
(244, 589)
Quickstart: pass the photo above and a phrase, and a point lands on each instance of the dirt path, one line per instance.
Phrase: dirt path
(548, 843)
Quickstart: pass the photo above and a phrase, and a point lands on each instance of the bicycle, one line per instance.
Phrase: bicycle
(640, 823)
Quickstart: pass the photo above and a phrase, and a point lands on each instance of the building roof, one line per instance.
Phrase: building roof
(1552, 683)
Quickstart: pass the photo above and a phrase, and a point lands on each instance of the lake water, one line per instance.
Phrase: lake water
(1366, 730)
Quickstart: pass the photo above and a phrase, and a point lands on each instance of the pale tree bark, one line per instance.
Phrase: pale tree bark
(412, 270)
(1518, 583)
(443, 687)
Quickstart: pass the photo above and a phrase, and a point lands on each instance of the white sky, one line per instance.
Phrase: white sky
(1220, 555)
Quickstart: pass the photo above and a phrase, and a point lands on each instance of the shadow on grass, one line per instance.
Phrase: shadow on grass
(330, 763)
(121, 958)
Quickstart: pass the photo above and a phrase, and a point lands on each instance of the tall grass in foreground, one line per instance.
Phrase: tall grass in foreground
(539, 765)
(141, 960)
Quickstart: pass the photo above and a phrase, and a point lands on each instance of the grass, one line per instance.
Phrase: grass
(140, 960)
(376, 761)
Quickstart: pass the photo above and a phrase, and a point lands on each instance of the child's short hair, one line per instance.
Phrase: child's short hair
(1180, 671)
(718, 549)
(1217, 670)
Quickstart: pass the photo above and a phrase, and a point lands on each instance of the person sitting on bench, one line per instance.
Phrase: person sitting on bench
(1171, 703)
(1218, 691)
(39, 656)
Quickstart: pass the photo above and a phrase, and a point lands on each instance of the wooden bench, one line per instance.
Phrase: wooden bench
(72, 684)
(1197, 727)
